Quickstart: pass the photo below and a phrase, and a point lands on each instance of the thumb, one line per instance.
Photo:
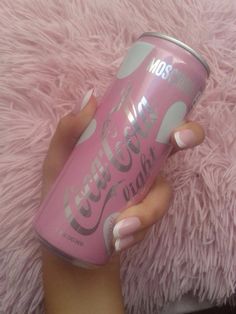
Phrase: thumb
(72, 125)
(66, 136)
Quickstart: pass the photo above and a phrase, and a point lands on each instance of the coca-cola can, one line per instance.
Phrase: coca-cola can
(121, 152)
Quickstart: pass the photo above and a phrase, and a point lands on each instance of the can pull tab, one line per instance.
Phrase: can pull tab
(172, 119)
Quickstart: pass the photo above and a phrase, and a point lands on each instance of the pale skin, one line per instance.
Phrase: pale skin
(70, 289)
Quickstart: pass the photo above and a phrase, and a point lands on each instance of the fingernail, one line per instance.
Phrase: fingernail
(126, 227)
(123, 243)
(185, 138)
(84, 102)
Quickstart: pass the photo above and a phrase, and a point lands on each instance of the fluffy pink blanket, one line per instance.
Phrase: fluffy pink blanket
(51, 52)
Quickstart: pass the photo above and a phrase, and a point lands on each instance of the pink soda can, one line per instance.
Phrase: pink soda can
(121, 152)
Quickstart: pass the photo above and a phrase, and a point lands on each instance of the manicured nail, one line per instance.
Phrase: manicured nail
(84, 102)
(123, 243)
(185, 138)
(126, 227)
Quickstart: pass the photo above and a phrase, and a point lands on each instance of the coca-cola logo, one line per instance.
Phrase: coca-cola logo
(118, 148)
(117, 151)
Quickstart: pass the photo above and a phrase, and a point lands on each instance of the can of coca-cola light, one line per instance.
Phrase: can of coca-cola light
(121, 152)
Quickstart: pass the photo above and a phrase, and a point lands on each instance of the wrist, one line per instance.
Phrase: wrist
(69, 288)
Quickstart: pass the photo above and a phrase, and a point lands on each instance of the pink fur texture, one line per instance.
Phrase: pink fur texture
(51, 52)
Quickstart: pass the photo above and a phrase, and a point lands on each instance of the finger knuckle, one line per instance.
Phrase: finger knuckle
(150, 217)
(164, 186)
(154, 214)
(202, 133)
(63, 123)
(141, 234)
(168, 188)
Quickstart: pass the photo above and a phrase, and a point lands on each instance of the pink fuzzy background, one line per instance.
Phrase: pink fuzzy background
(51, 52)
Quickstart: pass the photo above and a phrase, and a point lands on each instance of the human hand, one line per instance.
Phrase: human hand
(69, 289)
(133, 223)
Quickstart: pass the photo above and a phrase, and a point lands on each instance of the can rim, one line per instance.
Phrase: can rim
(181, 44)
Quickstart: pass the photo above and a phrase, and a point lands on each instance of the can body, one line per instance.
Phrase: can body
(119, 155)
